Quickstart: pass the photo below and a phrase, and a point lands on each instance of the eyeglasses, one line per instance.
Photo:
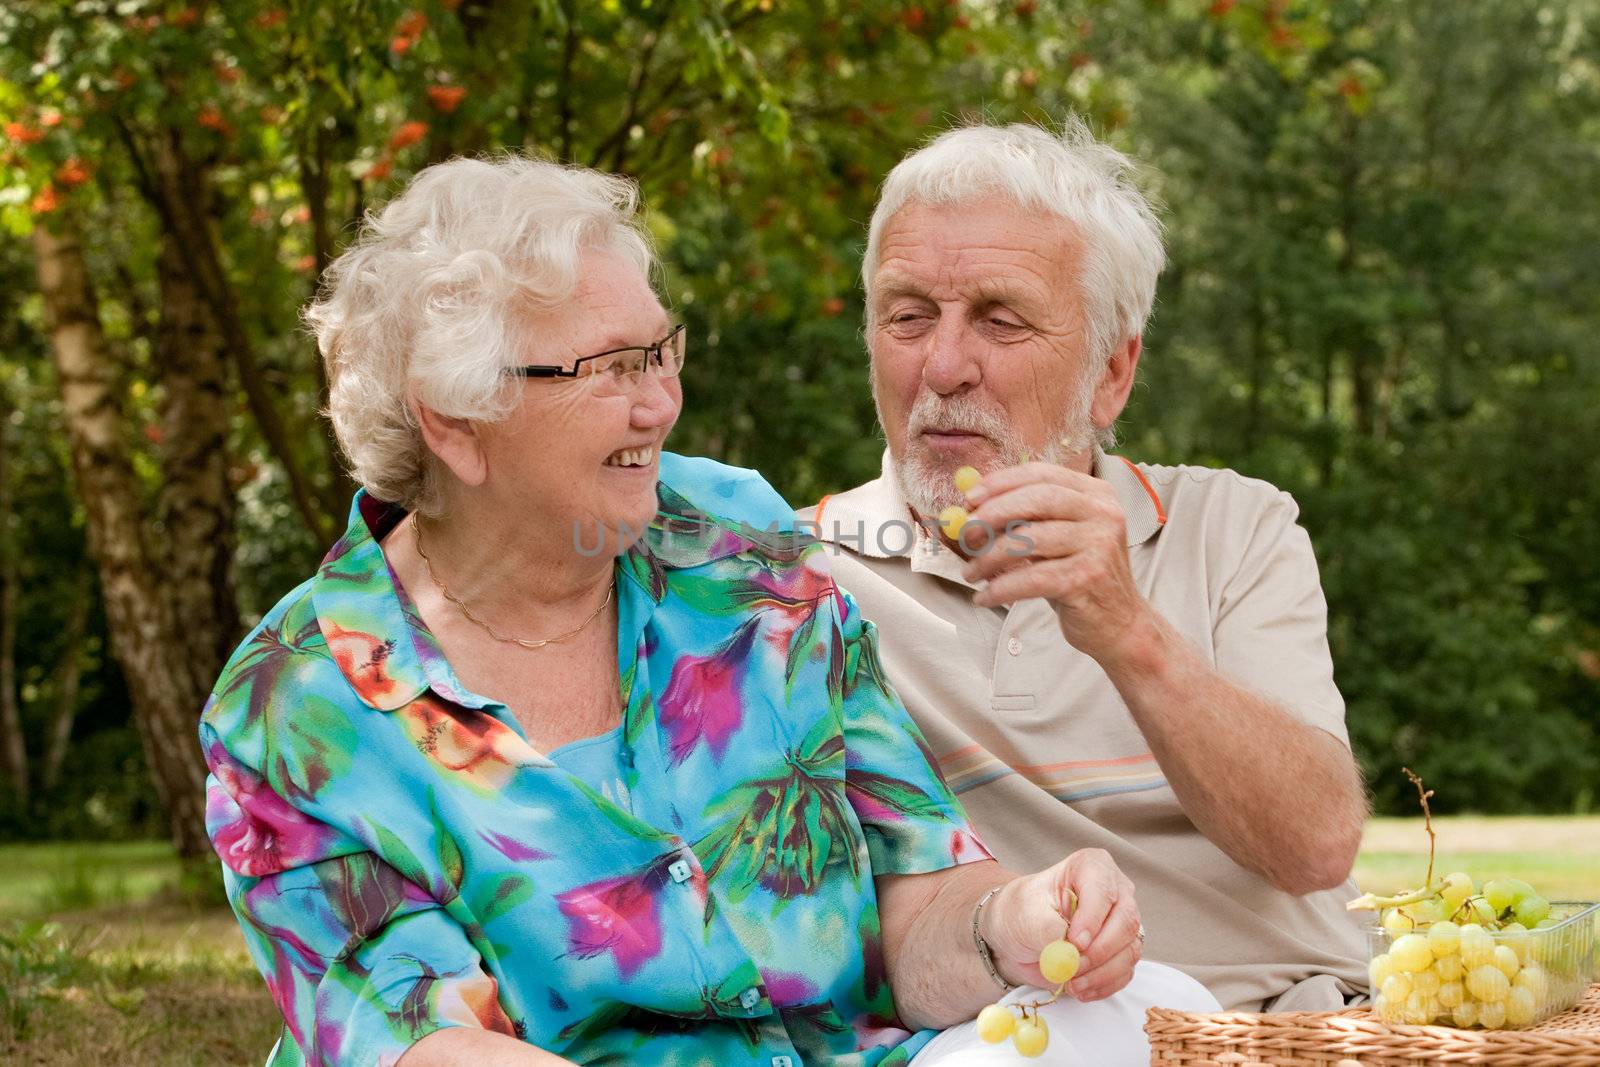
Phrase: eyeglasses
(619, 370)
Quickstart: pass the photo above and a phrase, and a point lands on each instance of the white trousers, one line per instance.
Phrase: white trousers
(1104, 1033)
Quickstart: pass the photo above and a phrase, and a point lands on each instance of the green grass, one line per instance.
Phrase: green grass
(104, 960)
(42, 880)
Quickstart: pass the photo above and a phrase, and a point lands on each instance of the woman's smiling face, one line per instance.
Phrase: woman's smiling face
(567, 452)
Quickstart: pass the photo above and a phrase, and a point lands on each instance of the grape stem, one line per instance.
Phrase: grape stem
(1035, 1005)
(1427, 816)
(1370, 902)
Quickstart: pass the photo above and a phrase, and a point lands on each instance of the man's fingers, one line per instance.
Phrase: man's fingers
(1046, 578)
(1097, 896)
(1120, 928)
(1004, 550)
(1105, 979)
(1008, 478)
(1035, 502)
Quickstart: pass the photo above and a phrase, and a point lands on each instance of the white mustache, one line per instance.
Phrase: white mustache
(955, 416)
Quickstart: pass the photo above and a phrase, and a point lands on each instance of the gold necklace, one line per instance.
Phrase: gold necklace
(416, 532)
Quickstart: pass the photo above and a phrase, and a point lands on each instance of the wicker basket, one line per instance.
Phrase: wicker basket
(1357, 1038)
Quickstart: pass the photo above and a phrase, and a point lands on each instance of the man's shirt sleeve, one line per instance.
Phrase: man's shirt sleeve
(1271, 628)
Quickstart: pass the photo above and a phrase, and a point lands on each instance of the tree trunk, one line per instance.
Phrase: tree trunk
(13, 747)
(69, 671)
(197, 506)
(144, 637)
(316, 187)
(179, 191)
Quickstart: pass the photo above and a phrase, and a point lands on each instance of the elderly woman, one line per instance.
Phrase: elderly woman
(571, 751)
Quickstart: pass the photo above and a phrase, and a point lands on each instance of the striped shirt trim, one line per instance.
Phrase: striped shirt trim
(1073, 780)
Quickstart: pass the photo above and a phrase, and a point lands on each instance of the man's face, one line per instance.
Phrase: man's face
(979, 343)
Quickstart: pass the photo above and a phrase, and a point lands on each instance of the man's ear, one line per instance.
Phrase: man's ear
(1116, 383)
(456, 443)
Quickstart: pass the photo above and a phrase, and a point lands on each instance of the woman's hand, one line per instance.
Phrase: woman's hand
(1026, 914)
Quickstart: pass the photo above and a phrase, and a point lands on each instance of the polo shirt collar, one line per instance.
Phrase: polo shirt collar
(874, 519)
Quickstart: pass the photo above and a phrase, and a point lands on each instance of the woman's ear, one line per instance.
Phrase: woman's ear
(456, 443)
(1116, 382)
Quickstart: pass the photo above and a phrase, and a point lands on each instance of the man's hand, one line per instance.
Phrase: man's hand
(1027, 914)
(1078, 559)
(1279, 796)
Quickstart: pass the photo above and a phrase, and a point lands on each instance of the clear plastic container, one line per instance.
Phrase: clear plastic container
(1473, 984)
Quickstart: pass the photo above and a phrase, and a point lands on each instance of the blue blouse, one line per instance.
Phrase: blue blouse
(695, 887)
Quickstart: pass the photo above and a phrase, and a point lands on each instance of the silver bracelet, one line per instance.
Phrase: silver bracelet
(983, 946)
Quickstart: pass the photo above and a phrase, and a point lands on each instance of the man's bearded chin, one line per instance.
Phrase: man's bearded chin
(927, 481)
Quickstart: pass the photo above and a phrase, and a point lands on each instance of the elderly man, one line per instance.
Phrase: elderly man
(1141, 664)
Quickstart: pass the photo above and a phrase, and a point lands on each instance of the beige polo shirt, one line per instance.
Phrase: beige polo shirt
(1042, 750)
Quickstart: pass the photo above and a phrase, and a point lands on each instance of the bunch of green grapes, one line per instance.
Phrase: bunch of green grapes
(1026, 1028)
(1463, 957)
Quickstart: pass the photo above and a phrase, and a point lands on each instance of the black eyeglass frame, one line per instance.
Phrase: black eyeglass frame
(652, 356)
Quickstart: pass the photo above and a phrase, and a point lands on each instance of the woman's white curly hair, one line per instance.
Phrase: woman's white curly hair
(432, 302)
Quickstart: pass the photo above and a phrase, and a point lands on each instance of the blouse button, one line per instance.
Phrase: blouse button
(679, 870)
(750, 998)
(1014, 646)
(782, 1061)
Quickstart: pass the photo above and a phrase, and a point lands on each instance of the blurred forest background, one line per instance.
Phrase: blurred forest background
(1384, 228)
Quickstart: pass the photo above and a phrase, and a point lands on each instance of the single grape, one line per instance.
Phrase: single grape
(1379, 969)
(1477, 947)
(1396, 988)
(1502, 893)
(1457, 888)
(1477, 912)
(1419, 1010)
(1532, 909)
(1465, 1014)
(1545, 924)
(1515, 937)
(1411, 953)
(1451, 994)
(1448, 968)
(1521, 1007)
(1488, 984)
(1397, 922)
(951, 520)
(1030, 1037)
(1444, 937)
(995, 1023)
(1533, 979)
(966, 478)
(1492, 1016)
(1058, 962)
(1505, 958)
(1425, 912)
(1426, 982)
(1387, 1010)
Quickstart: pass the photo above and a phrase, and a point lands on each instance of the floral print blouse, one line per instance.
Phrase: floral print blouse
(694, 888)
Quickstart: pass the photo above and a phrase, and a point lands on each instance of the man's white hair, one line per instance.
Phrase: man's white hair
(435, 297)
(1088, 183)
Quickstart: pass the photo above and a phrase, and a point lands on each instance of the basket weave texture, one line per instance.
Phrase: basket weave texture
(1358, 1038)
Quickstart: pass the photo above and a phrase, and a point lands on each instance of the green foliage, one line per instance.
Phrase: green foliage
(1382, 216)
